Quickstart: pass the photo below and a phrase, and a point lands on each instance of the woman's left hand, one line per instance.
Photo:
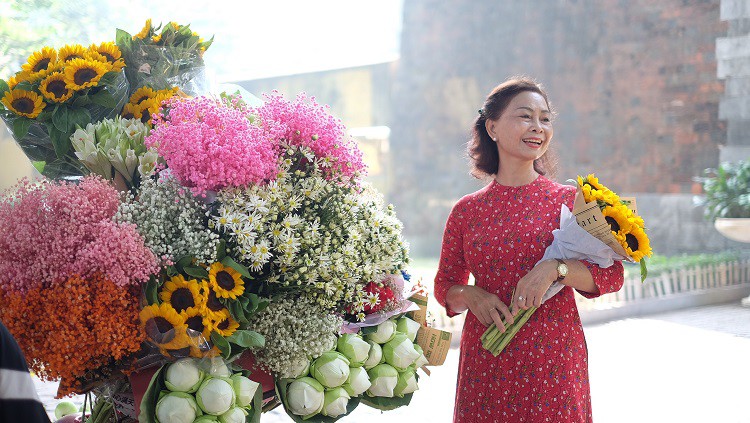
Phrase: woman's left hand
(531, 288)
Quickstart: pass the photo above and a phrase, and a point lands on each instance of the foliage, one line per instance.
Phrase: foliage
(727, 190)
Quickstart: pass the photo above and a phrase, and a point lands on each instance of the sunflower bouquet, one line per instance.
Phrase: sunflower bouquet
(164, 56)
(601, 228)
(56, 91)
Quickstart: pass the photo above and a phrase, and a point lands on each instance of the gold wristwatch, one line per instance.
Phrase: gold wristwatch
(562, 270)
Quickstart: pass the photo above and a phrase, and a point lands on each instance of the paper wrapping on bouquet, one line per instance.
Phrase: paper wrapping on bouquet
(55, 156)
(164, 67)
(584, 234)
(435, 343)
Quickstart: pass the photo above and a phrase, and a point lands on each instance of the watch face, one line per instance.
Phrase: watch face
(562, 269)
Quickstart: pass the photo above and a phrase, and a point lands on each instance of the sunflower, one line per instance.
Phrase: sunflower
(183, 295)
(224, 324)
(108, 50)
(70, 52)
(53, 88)
(14, 80)
(199, 330)
(145, 32)
(148, 108)
(617, 218)
(142, 94)
(82, 73)
(23, 103)
(214, 305)
(636, 244)
(131, 111)
(225, 281)
(39, 61)
(156, 38)
(164, 326)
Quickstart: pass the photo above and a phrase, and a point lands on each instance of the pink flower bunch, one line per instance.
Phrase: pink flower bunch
(304, 122)
(51, 231)
(208, 145)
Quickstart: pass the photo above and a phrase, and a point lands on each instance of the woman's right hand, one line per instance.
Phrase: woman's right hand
(485, 306)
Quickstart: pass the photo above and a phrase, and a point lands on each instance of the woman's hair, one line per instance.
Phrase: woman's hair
(482, 150)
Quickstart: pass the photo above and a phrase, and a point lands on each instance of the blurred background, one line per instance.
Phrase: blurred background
(648, 95)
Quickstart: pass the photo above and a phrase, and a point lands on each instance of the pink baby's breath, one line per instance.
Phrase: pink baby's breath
(304, 122)
(210, 145)
(50, 231)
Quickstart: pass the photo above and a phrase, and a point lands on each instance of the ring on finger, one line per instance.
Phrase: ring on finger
(521, 298)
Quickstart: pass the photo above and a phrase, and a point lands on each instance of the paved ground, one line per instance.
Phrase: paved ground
(684, 366)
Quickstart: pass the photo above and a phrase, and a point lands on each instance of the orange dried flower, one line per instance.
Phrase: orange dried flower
(73, 328)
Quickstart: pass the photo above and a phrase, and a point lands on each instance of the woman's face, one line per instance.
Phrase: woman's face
(524, 130)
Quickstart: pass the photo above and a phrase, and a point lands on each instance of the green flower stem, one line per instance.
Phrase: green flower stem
(524, 317)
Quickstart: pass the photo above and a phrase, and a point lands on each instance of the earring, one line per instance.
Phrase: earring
(494, 139)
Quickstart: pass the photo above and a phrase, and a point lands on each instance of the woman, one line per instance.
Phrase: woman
(498, 234)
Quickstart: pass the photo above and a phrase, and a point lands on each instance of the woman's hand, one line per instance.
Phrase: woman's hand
(531, 288)
(484, 305)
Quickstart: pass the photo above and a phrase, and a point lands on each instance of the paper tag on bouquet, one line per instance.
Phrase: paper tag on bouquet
(590, 218)
(435, 344)
(419, 315)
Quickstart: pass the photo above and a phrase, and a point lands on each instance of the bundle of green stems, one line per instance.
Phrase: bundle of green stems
(495, 341)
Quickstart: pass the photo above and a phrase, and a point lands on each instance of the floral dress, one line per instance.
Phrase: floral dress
(498, 234)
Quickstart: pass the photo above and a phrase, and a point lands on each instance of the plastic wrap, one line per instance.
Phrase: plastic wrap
(163, 67)
(61, 162)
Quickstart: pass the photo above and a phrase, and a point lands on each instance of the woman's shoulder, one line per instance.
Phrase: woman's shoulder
(554, 189)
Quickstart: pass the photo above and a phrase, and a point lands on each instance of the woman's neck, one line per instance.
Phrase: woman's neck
(514, 176)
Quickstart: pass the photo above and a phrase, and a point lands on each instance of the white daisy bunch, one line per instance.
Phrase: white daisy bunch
(170, 220)
(325, 237)
(296, 331)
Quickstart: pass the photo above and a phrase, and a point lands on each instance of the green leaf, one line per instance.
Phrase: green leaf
(182, 262)
(385, 404)
(59, 139)
(221, 250)
(196, 272)
(104, 98)
(21, 127)
(151, 396)
(3, 87)
(81, 101)
(247, 339)
(108, 78)
(237, 312)
(78, 117)
(171, 271)
(152, 291)
(644, 271)
(39, 165)
(123, 40)
(60, 119)
(257, 407)
(242, 270)
(221, 343)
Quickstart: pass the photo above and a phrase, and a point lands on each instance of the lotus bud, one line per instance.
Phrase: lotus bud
(354, 348)
(384, 332)
(217, 368)
(183, 376)
(65, 408)
(244, 389)
(177, 407)
(399, 352)
(384, 379)
(375, 357)
(421, 360)
(234, 415)
(305, 397)
(408, 327)
(357, 382)
(407, 382)
(215, 395)
(331, 369)
(335, 402)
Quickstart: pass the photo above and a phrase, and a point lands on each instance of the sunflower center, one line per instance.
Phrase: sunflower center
(109, 57)
(71, 57)
(42, 64)
(145, 116)
(632, 242)
(613, 223)
(182, 299)
(160, 330)
(140, 99)
(84, 75)
(23, 105)
(225, 280)
(128, 115)
(213, 302)
(195, 323)
(223, 325)
(57, 88)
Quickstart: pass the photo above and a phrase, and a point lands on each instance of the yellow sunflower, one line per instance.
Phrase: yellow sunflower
(82, 73)
(145, 32)
(70, 52)
(14, 80)
(164, 326)
(617, 217)
(214, 306)
(108, 50)
(39, 61)
(156, 38)
(225, 281)
(183, 295)
(224, 324)
(636, 244)
(23, 103)
(54, 89)
(148, 108)
(131, 111)
(141, 94)
(199, 330)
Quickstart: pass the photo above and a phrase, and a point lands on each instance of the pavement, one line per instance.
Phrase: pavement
(683, 366)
